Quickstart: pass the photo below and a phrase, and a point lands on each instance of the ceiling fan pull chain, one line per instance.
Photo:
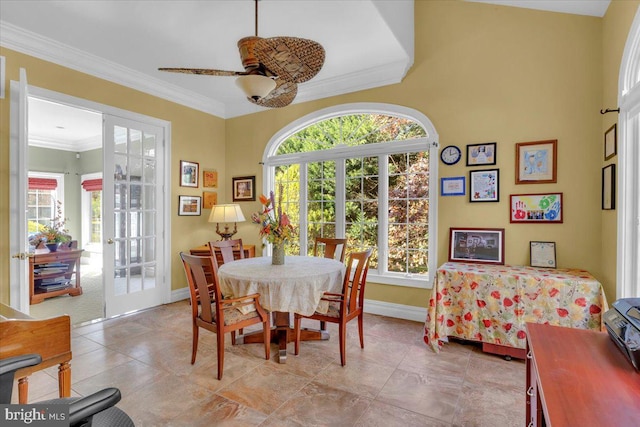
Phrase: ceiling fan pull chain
(256, 18)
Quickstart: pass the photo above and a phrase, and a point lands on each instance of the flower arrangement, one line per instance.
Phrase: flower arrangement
(274, 224)
(54, 233)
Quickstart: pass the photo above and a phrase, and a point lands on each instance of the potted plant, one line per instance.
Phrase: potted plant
(54, 234)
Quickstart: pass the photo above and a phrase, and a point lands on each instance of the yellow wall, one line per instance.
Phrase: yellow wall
(482, 73)
(196, 136)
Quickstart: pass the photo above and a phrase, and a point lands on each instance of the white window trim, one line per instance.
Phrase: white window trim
(270, 159)
(85, 217)
(628, 265)
(59, 177)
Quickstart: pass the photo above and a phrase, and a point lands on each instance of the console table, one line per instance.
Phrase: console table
(579, 378)
(491, 304)
(62, 264)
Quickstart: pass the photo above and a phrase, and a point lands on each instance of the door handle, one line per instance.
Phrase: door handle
(22, 255)
(110, 241)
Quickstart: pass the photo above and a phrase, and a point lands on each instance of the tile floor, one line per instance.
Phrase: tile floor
(395, 381)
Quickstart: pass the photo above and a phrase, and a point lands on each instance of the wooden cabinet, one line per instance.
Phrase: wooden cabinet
(54, 273)
(578, 377)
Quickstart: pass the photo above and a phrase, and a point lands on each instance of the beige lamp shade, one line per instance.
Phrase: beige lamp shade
(256, 86)
(226, 214)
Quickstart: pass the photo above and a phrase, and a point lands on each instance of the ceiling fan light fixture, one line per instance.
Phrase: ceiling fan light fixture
(256, 86)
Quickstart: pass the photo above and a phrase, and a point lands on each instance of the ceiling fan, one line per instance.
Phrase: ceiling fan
(273, 67)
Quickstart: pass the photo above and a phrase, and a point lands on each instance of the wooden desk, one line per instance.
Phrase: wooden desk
(42, 257)
(50, 338)
(578, 377)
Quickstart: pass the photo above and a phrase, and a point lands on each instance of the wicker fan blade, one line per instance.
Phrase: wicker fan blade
(281, 96)
(204, 71)
(290, 58)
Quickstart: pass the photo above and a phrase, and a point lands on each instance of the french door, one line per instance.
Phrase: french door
(133, 215)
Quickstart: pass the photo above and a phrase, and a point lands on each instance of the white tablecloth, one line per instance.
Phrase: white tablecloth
(296, 286)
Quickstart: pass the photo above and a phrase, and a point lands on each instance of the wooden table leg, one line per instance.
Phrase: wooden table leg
(283, 327)
(64, 379)
(23, 390)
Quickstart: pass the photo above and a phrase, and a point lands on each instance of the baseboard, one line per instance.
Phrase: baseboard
(389, 309)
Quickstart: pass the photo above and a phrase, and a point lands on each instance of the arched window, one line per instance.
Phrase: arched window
(367, 172)
(628, 268)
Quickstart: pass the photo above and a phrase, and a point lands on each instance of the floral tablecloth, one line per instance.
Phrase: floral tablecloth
(492, 303)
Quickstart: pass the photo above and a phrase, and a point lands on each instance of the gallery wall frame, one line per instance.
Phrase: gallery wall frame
(210, 178)
(209, 199)
(243, 188)
(609, 187)
(484, 185)
(452, 186)
(539, 207)
(542, 254)
(481, 154)
(189, 205)
(536, 162)
(189, 173)
(481, 245)
(611, 142)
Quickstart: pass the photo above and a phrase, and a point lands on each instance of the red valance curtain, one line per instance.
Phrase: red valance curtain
(92, 184)
(43, 183)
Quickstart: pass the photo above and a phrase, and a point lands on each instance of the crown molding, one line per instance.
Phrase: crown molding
(74, 146)
(30, 43)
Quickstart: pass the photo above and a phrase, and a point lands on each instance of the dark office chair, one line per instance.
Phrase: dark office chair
(95, 410)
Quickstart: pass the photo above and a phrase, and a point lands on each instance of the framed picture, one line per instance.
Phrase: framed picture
(481, 154)
(544, 207)
(244, 189)
(453, 186)
(210, 179)
(609, 187)
(611, 142)
(483, 185)
(189, 174)
(542, 254)
(536, 162)
(484, 245)
(189, 205)
(209, 199)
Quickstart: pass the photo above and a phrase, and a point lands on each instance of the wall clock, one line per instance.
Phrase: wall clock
(450, 155)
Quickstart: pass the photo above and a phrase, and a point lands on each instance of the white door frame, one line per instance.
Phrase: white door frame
(166, 178)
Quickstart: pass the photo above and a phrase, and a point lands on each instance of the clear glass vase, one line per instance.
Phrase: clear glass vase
(277, 254)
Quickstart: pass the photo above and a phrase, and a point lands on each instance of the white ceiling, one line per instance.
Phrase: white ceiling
(368, 43)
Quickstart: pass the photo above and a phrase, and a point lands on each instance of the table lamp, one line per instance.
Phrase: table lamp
(226, 213)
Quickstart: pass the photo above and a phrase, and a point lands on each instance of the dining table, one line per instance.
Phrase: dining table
(296, 286)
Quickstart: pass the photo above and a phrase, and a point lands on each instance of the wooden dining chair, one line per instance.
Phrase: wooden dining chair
(345, 306)
(225, 247)
(217, 314)
(329, 247)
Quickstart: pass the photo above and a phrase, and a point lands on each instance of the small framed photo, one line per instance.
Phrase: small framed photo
(244, 188)
(481, 154)
(483, 245)
(189, 174)
(189, 205)
(611, 142)
(609, 187)
(209, 199)
(453, 186)
(536, 162)
(484, 185)
(542, 254)
(209, 179)
(545, 207)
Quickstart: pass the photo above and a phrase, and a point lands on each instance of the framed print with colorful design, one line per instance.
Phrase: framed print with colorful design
(210, 179)
(452, 186)
(483, 185)
(483, 245)
(536, 162)
(189, 205)
(544, 207)
(189, 174)
(481, 154)
(243, 188)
